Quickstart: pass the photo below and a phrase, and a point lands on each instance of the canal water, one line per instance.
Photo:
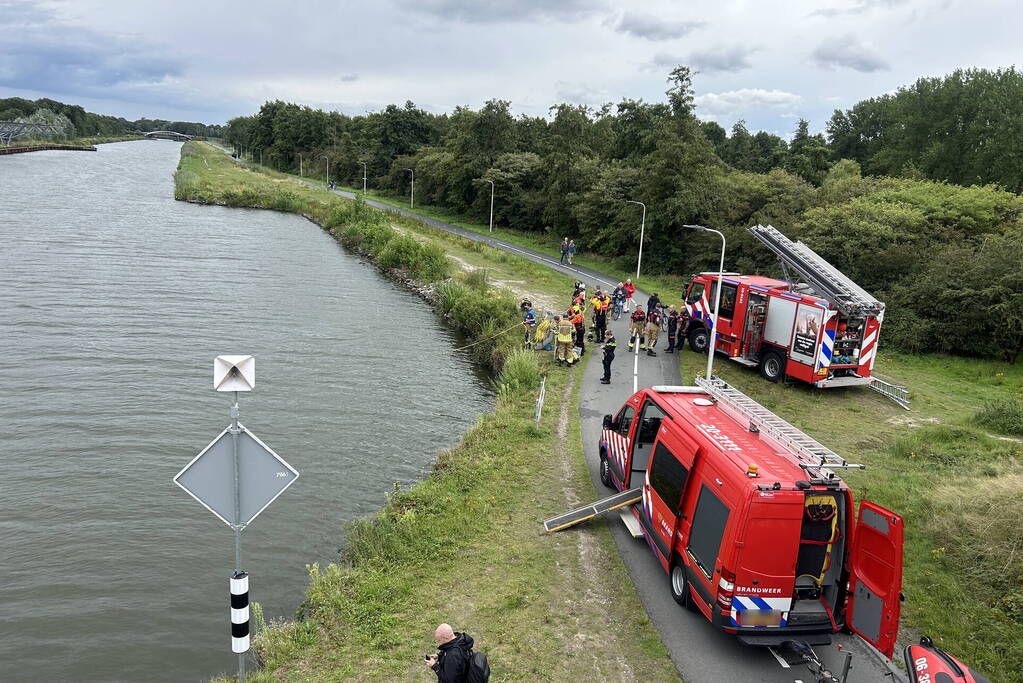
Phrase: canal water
(114, 300)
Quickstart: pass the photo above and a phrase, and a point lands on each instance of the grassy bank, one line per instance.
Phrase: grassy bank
(953, 467)
(465, 545)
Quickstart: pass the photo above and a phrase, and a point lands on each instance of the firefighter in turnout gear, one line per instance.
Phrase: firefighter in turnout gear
(653, 328)
(564, 355)
(636, 323)
(609, 357)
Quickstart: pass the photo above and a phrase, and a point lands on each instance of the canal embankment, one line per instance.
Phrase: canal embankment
(465, 544)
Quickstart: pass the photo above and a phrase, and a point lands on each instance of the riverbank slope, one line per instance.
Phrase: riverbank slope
(465, 545)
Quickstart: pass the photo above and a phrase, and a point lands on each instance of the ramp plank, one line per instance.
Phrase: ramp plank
(590, 511)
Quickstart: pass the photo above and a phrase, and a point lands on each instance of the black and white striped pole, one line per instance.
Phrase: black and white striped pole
(240, 618)
(236, 477)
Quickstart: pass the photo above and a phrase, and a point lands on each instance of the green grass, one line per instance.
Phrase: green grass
(945, 468)
(465, 545)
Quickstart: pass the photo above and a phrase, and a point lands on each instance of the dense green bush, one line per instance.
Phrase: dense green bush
(1003, 416)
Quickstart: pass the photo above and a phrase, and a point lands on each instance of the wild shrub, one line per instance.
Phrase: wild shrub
(476, 279)
(285, 200)
(1004, 416)
(434, 265)
(403, 251)
(521, 372)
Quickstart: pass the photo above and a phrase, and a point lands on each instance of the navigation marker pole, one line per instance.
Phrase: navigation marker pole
(217, 476)
(239, 640)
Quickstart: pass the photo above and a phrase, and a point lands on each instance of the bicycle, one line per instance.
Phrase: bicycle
(820, 672)
(619, 305)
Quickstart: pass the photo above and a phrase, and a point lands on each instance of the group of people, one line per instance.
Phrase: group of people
(570, 330)
(568, 250)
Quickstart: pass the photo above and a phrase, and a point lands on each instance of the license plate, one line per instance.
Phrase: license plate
(761, 617)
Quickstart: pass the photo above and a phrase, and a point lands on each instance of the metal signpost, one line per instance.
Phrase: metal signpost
(236, 477)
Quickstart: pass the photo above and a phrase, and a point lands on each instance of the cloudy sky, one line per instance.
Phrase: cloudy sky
(769, 62)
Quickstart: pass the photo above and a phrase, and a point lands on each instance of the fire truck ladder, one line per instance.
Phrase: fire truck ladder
(618, 500)
(897, 393)
(815, 458)
(825, 279)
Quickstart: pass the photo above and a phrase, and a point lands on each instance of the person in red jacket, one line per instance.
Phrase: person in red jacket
(630, 289)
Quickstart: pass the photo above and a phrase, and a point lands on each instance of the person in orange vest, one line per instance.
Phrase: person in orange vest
(563, 354)
(637, 321)
(579, 321)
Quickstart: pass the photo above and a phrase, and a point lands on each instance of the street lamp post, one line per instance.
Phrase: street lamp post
(717, 298)
(485, 180)
(363, 177)
(300, 172)
(642, 229)
(412, 195)
(326, 165)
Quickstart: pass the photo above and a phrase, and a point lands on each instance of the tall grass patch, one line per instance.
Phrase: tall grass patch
(1004, 416)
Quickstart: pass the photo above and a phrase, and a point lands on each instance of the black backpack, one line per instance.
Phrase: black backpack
(479, 668)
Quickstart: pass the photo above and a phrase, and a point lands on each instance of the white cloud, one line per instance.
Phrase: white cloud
(655, 28)
(846, 51)
(720, 59)
(737, 102)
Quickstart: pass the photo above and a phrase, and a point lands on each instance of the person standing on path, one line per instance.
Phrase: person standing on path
(579, 321)
(599, 317)
(630, 289)
(637, 321)
(653, 328)
(609, 357)
(571, 251)
(673, 321)
(564, 251)
(563, 354)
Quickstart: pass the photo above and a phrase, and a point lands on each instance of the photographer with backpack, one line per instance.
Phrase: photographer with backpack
(455, 661)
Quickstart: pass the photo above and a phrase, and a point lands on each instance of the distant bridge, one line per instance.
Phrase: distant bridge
(12, 129)
(167, 135)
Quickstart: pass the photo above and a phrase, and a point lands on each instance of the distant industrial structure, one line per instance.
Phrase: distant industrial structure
(9, 130)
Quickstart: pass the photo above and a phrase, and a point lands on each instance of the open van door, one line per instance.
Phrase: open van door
(875, 577)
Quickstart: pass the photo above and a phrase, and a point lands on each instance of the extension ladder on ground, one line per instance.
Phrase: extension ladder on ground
(814, 457)
(826, 280)
(895, 392)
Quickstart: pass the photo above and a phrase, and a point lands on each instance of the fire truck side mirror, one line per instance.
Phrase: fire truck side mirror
(608, 422)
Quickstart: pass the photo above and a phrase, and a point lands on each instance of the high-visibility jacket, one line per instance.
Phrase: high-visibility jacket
(566, 331)
(578, 320)
(638, 317)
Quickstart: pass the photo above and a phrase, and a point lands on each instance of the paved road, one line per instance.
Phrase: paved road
(701, 653)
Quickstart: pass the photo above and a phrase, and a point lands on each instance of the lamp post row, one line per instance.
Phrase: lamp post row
(642, 224)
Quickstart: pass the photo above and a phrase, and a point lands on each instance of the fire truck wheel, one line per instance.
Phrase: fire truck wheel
(699, 339)
(605, 472)
(771, 366)
(679, 585)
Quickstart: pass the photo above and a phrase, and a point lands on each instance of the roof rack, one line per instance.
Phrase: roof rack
(825, 279)
(811, 455)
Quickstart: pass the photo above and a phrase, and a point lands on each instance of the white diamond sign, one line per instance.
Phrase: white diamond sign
(262, 476)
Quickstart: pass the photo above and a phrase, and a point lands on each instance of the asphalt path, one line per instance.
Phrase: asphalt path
(700, 652)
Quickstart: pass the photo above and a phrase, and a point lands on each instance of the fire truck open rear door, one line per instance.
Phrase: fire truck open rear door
(875, 578)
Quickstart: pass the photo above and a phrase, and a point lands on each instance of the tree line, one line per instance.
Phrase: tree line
(947, 258)
(87, 124)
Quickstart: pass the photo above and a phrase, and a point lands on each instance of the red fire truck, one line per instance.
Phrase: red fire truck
(747, 516)
(822, 330)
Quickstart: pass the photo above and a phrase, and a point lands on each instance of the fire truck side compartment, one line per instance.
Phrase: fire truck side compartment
(781, 318)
